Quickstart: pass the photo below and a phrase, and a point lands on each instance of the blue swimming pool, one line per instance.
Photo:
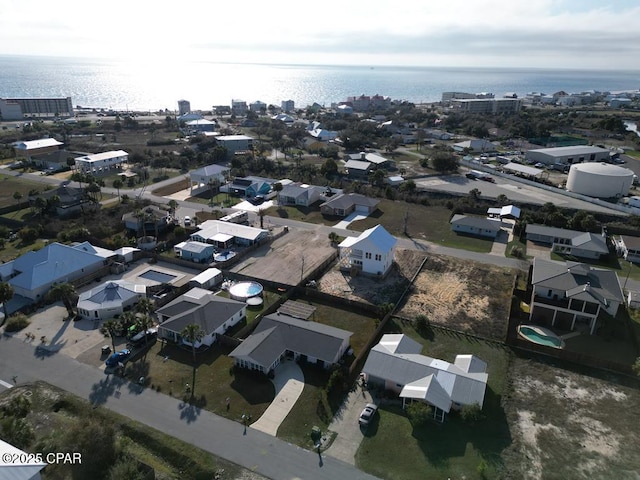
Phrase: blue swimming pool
(540, 336)
(156, 276)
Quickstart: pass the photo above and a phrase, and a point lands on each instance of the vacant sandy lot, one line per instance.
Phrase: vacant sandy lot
(462, 295)
(370, 290)
(287, 259)
(571, 426)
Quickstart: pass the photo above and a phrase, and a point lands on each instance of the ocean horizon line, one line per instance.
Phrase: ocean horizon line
(364, 66)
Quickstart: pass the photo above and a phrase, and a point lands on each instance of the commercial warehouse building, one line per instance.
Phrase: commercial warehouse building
(19, 108)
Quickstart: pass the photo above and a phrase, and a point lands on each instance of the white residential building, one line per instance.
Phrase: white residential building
(372, 252)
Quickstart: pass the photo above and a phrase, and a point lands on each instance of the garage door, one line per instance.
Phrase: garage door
(362, 209)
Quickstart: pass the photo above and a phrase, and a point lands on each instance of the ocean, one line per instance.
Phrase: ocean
(152, 86)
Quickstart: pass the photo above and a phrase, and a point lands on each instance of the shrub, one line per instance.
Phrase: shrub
(419, 413)
(471, 413)
(16, 322)
(517, 252)
(422, 324)
(336, 380)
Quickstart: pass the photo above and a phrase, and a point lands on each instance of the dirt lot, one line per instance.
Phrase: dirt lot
(571, 426)
(287, 259)
(369, 290)
(462, 295)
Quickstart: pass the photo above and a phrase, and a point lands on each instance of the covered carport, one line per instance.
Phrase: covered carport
(523, 170)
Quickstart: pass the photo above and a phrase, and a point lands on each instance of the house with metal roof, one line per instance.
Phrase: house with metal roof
(199, 252)
(508, 211)
(101, 162)
(358, 169)
(208, 175)
(396, 364)
(109, 299)
(371, 252)
(223, 234)
(343, 204)
(279, 336)
(571, 296)
(378, 161)
(213, 313)
(569, 242)
(30, 148)
(300, 194)
(478, 226)
(32, 275)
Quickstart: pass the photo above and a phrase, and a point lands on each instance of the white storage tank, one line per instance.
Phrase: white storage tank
(601, 180)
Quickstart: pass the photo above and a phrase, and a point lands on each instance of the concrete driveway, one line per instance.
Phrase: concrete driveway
(289, 383)
(345, 425)
(352, 217)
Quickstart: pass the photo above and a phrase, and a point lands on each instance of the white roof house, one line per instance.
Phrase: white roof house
(243, 234)
(397, 364)
(104, 161)
(31, 145)
(371, 252)
(507, 211)
(109, 299)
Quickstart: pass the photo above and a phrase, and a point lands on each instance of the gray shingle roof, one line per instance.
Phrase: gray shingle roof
(278, 332)
(578, 280)
(209, 312)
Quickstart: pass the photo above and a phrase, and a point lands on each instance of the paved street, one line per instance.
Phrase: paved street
(250, 448)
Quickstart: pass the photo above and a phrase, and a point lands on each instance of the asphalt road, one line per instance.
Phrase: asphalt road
(249, 448)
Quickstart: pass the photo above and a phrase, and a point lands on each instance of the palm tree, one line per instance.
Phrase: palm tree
(172, 206)
(112, 327)
(261, 214)
(118, 184)
(127, 319)
(6, 294)
(145, 306)
(192, 333)
(144, 322)
(65, 292)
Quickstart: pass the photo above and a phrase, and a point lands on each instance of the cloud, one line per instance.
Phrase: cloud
(383, 32)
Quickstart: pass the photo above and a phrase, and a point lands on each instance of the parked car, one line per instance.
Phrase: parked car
(470, 176)
(258, 200)
(118, 357)
(187, 221)
(367, 414)
(140, 338)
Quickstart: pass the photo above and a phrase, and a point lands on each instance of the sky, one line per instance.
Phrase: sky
(589, 34)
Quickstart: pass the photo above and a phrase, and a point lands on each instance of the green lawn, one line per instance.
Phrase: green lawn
(429, 223)
(516, 242)
(10, 185)
(304, 214)
(169, 369)
(13, 249)
(393, 449)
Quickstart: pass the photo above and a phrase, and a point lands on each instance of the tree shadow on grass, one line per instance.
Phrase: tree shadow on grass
(489, 436)
(254, 387)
